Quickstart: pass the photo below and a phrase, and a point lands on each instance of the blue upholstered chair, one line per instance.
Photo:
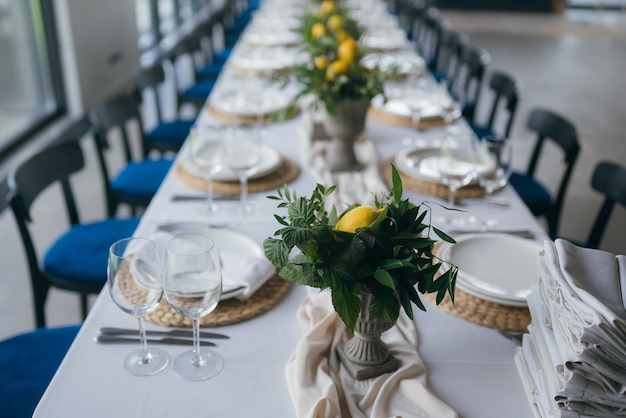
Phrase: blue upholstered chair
(428, 40)
(27, 364)
(506, 91)
(548, 126)
(137, 182)
(166, 135)
(77, 259)
(468, 82)
(182, 56)
(451, 50)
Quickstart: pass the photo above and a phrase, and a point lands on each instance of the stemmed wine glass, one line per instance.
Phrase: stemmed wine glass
(495, 159)
(135, 282)
(243, 154)
(457, 162)
(206, 151)
(193, 286)
(414, 99)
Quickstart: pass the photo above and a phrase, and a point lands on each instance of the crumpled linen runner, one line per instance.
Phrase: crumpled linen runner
(320, 387)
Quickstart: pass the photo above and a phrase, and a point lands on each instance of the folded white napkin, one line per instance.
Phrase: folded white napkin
(321, 387)
(240, 273)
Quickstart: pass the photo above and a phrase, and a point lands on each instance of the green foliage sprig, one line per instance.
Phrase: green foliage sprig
(392, 258)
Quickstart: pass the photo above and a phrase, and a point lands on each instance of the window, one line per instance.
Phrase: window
(31, 92)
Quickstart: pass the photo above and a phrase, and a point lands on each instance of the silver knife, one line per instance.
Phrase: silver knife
(169, 333)
(524, 233)
(114, 339)
(201, 198)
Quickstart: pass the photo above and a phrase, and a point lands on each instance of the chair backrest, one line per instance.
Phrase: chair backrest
(410, 16)
(429, 38)
(549, 125)
(27, 181)
(149, 79)
(5, 194)
(469, 81)
(450, 54)
(504, 87)
(608, 178)
(184, 52)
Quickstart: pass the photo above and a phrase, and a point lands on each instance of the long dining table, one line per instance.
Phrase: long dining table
(469, 367)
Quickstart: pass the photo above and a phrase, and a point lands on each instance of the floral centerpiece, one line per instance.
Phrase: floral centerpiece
(334, 73)
(385, 251)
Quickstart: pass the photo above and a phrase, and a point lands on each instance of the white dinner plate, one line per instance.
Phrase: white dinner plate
(494, 266)
(269, 161)
(431, 107)
(403, 62)
(422, 163)
(250, 102)
(225, 240)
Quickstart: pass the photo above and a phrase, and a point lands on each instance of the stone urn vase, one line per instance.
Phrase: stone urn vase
(343, 127)
(365, 355)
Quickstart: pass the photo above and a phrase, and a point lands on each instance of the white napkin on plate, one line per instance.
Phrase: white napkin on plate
(321, 387)
(238, 270)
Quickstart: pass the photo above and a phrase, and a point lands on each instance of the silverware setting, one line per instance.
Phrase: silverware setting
(524, 233)
(115, 339)
(202, 198)
(168, 333)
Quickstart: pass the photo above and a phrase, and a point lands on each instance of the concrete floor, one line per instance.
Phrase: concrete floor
(572, 63)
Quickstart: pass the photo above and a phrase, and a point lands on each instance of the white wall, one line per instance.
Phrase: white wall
(98, 47)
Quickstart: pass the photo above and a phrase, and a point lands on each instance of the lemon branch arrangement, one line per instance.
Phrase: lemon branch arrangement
(334, 72)
(385, 250)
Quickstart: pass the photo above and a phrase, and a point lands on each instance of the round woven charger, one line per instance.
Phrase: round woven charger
(428, 188)
(272, 117)
(228, 311)
(381, 116)
(285, 173)
(483, 312)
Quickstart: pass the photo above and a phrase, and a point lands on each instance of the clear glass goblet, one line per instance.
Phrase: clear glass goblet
(495, 155)
(135, 282)
(243, 155)
(207, 154)
(193, 287)
(457, 163)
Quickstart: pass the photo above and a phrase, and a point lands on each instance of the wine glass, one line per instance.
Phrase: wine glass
(193, 286)
(243, 154)
(495, 158)
(134, 278)
(457, 162)
(415, 96)
(206, 151)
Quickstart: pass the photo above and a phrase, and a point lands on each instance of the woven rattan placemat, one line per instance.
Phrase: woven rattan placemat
(228, 311)
(381, 116)
(230, 118)
(428, 188)
(483, 312)
(285, 173)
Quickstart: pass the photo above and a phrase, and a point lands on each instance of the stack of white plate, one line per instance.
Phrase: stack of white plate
(496, 267)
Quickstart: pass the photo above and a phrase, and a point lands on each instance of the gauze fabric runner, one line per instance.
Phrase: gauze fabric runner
(320, 387)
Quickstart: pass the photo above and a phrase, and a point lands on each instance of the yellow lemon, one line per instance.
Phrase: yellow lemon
(320, 62)
(326, 7)
(334, 23)
(359, 217)
(318, 29)
(342, 35)
(347, 50)
(336, 68)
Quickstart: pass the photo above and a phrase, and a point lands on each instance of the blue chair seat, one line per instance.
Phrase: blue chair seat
(92, 240)
(210, 71)
(220, 57)
(27, 364)
(141, 179)
(533, 193)
(169, 135)
(231, 39)
(482, 131)
(198, 92)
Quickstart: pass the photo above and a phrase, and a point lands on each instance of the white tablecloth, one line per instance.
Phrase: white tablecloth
(471, 368)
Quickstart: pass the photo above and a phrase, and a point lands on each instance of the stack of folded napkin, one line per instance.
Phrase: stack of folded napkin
(573, 361)
(321, 387)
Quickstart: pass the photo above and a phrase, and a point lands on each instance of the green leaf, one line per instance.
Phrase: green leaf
(386, 306)
(396, 192)
(276, 251)
(444, 236)
(383, 277)
(301, 274)
(346, 302)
